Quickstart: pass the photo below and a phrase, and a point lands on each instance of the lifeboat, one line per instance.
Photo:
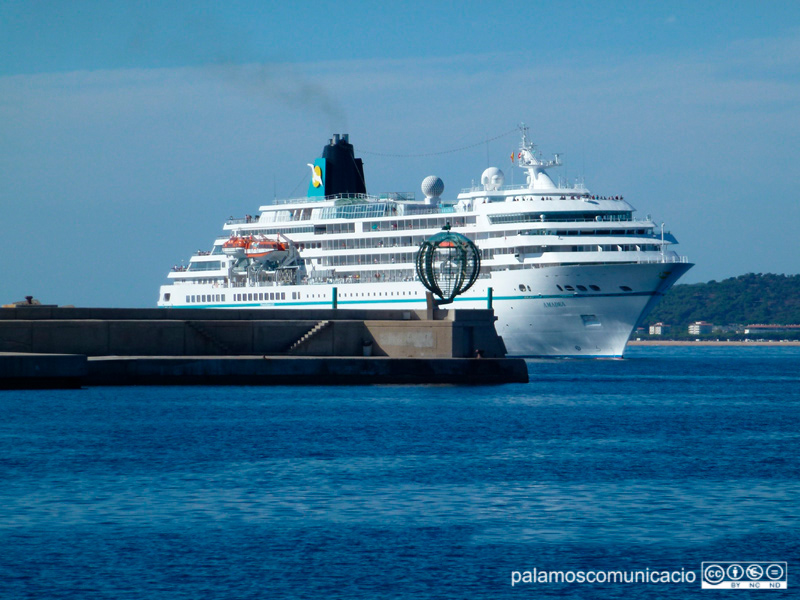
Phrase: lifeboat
(236, 246)
(260, 248)
(256, 248)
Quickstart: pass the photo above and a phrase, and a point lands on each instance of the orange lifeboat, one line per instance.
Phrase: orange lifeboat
(259, 248)
(236, 246)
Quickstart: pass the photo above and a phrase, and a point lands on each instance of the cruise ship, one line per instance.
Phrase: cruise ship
(568, 272)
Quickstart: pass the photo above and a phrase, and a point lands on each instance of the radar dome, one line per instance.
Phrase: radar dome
(492, 179)
(432, 186)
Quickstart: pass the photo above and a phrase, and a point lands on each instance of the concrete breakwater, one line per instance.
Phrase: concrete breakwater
(186, 346)
(42, 371)
(254, 370)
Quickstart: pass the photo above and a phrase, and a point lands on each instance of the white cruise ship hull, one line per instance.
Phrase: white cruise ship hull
(580, 324)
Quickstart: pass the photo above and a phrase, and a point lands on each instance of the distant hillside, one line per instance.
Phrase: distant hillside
(747, 299)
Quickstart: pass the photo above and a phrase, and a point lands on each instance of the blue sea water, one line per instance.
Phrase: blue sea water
(661, 461)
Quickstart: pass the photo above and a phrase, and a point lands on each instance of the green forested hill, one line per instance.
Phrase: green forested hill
(752, 298)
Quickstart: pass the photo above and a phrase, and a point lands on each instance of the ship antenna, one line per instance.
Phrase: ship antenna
(524, 129)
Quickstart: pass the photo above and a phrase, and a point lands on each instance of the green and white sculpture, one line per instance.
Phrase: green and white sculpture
(448, 264)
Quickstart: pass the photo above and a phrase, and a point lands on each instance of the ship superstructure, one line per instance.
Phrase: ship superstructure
(568, 272)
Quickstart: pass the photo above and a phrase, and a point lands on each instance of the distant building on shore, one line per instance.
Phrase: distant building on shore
(659, 329)
(753, 329)
(700, 328)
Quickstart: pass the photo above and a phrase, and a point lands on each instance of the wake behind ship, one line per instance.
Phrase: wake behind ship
(568, 272)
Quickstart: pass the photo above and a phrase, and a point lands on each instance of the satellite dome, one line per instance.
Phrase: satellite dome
(492, 179)
(432, 186)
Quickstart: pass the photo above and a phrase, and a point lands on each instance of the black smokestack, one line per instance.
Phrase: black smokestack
(345, 172)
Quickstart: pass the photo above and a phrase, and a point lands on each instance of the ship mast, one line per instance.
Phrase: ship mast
(538, 179)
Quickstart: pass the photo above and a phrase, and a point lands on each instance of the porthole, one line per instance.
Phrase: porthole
(595, 288)
(559, 287)
(582, 288)
(569, 288)
(625, 288)
(521, 287)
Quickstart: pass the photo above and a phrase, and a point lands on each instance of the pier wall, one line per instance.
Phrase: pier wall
(257, 370)
(42, 371)
(193, 332)
(72, 347)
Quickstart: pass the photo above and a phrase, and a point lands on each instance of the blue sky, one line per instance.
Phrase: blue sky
(130, 131)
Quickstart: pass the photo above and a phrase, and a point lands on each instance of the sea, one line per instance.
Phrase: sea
(654, 464)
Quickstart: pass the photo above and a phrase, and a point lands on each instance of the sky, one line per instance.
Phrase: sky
(129, 131)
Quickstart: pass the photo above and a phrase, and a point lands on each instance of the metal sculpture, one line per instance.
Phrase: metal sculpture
(448, 264)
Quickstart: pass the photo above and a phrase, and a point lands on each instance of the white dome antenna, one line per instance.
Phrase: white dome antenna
(492, 179)
(432, 187)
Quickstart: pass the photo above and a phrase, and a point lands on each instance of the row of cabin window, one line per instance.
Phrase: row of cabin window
(581, 288)
(569, 288)
(268, 296)
(206, 298)
(263, 296)
(362, 294)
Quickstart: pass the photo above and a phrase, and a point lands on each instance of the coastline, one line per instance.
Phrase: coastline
(710, 343)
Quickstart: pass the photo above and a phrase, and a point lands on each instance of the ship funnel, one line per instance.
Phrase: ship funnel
(338, 172)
